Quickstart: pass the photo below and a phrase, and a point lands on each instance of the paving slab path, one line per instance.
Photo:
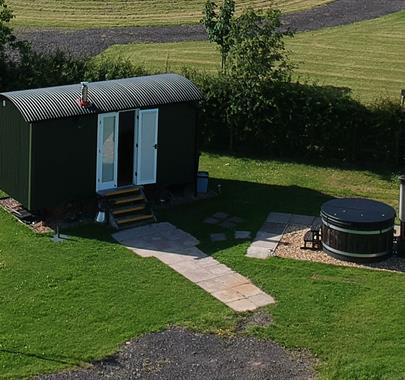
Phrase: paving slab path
(88, 42)
(272, 231)
(178, 250)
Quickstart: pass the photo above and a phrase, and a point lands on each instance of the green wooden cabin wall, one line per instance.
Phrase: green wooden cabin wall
(64, 153)
(63, 161)
(14, 152)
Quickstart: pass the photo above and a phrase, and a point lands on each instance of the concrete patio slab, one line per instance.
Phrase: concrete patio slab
(274, 228)
(301, 220)
(269, 245)
(268, 236)
(278, 217)
(178, 250)
(272, 232)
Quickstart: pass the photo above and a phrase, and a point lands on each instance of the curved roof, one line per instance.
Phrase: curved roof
(108, 96)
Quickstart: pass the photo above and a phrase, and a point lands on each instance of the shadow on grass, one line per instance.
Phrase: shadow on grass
(54, 359)
(383, 171)
(249, 201)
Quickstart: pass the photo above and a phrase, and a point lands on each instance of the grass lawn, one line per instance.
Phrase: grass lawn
(62, 305)
(351, 319)
(99, 13)
(367, 57)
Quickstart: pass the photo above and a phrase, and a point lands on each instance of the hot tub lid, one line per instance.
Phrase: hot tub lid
(358, 213)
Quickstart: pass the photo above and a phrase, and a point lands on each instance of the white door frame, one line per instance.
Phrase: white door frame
(139, 146)
(135, 166)
(99, 175)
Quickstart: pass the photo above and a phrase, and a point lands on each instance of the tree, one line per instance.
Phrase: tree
(6, 38)
(219, 25)
(257, 50)
(253, 57)
(6, 16)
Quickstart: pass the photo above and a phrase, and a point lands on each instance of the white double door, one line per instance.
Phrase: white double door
(145, 149)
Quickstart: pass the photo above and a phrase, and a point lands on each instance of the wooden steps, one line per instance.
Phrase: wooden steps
(133, 219)
(125, 200)
(127, 207)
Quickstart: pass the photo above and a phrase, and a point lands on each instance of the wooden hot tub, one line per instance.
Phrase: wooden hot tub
(356, 229)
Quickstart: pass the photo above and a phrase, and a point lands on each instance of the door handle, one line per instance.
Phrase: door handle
(155, 146)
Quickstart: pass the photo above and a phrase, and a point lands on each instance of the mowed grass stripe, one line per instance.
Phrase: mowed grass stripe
(362, 56)
(98, 13)
(367, 57)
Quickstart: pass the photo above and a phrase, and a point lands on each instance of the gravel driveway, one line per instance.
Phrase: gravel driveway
(181, 355)
(93, 41)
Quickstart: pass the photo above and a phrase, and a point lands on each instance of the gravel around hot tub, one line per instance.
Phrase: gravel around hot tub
(179, 354)
(292, 241)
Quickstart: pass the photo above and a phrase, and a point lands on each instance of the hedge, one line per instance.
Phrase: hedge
(294, 119)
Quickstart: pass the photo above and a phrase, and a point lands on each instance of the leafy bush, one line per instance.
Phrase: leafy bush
(107, 68)
(33, 70)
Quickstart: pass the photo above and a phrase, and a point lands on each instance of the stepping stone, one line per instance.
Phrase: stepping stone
(211, 220)
(242, 235)
(228, 224)
(218, 237)
(220, 215)
(301, 220)
(235, 219)
(278, 217)
(259, 252)
(274, 228)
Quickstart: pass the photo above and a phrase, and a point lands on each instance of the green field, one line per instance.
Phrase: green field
(367, 57)
(66, 304)
(99, 13)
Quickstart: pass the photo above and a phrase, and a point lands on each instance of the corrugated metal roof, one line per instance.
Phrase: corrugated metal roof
(108, 96)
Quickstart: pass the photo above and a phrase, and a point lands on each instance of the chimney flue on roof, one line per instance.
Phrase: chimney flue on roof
(84, 96)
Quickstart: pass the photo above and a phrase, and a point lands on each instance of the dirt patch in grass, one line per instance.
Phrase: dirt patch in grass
(181, 354)
(260, 318)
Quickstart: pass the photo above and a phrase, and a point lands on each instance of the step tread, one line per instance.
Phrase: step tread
(119, 191)
(128, 199)
(126, 209)
(133, 218)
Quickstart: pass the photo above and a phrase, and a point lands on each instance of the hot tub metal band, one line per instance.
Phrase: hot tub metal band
(357, 232)
(359, 255)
